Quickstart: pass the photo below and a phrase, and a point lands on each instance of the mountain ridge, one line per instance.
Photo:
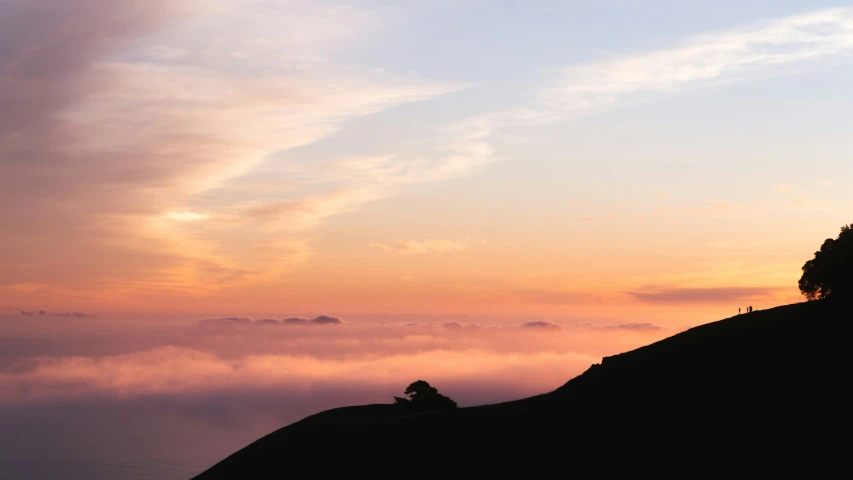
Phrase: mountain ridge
(768, 378)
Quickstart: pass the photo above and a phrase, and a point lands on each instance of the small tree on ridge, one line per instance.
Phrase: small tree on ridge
(423, 396)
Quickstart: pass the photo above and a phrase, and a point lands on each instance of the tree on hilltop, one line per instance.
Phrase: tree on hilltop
(425, 397)
(830, 272)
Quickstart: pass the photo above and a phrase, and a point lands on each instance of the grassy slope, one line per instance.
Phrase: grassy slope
(773, 378)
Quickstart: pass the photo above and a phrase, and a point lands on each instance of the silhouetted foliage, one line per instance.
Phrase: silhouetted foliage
(423, 396)
(830, 273)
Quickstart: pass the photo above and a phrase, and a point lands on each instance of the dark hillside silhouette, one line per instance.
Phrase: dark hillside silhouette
(756, 394)
(830, 272)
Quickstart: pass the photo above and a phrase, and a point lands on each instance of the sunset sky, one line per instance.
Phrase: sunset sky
(441, 157)
(493, 194)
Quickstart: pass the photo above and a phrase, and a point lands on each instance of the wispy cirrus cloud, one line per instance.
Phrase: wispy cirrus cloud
(131, 115)
(432, 245)
(709, 208)
(711, 58)
(128, 113)
(723, 57)
(702, 294)
(186, 216)
(635, 327)
(302, 213)
(803, 198)
(461, 149)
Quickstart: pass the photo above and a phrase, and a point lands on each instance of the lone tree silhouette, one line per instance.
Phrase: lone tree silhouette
(425, 397)
(830, 273)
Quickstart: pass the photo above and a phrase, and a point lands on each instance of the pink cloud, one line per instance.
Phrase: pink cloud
(702, 295)
(175, 370)
(106, 141)
(98, 360)
(541, 324)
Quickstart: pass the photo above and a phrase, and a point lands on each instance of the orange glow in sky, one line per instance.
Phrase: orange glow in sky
(246, 212)
(163, 171)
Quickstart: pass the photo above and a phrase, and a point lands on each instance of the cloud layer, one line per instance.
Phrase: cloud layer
(703, 295)
(432, 245)
(318, 320)
(724, 56)
(42, 313)
(98, 359)
(541, 324)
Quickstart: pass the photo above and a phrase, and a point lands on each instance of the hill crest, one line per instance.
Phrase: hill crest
(756, 377)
